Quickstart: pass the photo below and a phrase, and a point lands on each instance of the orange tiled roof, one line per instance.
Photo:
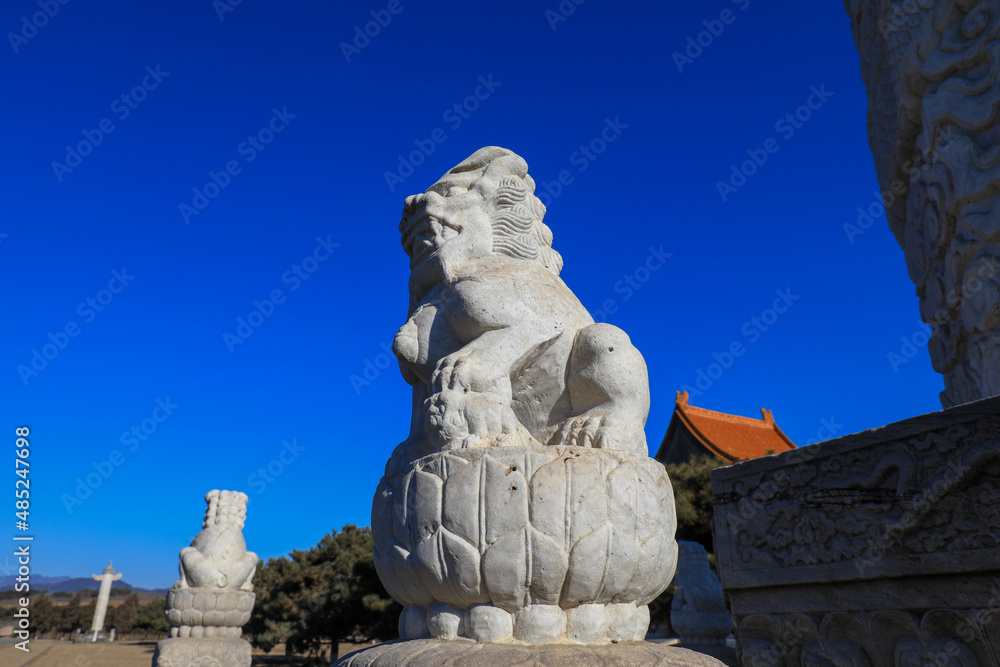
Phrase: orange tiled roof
(731, 437)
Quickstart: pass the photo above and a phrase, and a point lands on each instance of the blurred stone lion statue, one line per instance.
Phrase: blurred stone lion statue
(497, 348)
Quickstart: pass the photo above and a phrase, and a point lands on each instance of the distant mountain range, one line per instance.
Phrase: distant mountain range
(70, 584)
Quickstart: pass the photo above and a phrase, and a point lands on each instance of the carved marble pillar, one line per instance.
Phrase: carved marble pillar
(103, 596)
(208, 606)
(932, 70)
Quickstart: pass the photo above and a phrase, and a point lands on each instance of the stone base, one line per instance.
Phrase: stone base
(184, 652)
(724, 654)
(535, 624)
(434, 653)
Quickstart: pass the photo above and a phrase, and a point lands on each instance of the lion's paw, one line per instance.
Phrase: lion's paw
(600, 430)
(459, 419)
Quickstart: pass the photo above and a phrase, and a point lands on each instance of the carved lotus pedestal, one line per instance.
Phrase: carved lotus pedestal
(208, 612)
(509, 554)
(206, 626)
(534, 544)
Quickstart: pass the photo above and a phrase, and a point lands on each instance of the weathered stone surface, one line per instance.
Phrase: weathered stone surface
(524, 566)
(434, 653)
(213, 598)
(878, 548)
(933, 83)
(523, 505)
(698, 610)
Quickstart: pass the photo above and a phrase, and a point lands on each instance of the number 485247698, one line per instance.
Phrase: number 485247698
(21, 486)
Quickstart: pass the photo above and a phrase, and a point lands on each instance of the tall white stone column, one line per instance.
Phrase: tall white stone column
(102, 598)
(931, 72)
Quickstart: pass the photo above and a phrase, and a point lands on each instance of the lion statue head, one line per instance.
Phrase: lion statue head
(499, 180)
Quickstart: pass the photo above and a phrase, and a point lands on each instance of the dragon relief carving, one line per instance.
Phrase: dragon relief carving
(922, 495)
(933, 76)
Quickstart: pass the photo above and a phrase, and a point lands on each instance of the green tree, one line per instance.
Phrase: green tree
(124, 617)
(328, 593)
(44, 615)
(151, 617)
(692, 485)
(75, 614)
(693, 498)
(276, 614)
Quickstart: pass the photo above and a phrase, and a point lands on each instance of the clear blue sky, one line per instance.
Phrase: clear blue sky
(267, 92)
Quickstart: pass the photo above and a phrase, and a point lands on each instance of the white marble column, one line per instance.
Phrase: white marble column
(931, 72)
(102, 597)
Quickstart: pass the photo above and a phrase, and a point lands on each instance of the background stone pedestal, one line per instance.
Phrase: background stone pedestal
(185, 652)
(437, 653)
(698, 611)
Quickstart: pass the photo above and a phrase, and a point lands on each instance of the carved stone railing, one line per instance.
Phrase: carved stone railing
(878, 548)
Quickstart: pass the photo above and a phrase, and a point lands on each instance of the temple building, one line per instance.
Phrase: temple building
(697, 431)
